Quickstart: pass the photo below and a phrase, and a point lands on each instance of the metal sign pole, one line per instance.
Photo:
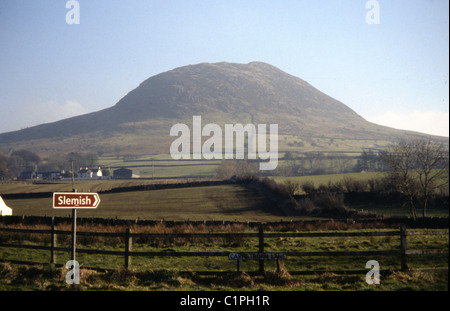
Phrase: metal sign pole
(72, 201)
(74, 232)
(74, 222)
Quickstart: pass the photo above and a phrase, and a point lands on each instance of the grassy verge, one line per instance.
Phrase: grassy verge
(40, 277)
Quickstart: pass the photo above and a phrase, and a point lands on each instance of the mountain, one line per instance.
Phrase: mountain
(221, 93)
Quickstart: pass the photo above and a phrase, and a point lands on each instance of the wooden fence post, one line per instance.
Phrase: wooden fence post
(261, 247)
(53, 245)
(128, 247)
(404, 263)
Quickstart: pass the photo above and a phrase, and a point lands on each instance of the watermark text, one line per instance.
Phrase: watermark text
(373, 15)
(212, 148)
(73, 15)
(73, 275)
(373, 276)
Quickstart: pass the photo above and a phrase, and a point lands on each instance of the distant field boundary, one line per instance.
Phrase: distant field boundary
(428, 222)
(206, 183)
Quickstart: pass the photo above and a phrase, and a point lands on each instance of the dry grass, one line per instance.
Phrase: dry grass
(413, 275)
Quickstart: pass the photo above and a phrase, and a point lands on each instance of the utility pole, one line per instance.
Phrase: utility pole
(73, 188)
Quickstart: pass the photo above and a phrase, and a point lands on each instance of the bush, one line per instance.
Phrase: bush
(352, 185)
(306, 207)
(331, 203)
(382, 186)
(308, 187)
(235, 168)
(291, 187)
(337, 187)
(275, 188)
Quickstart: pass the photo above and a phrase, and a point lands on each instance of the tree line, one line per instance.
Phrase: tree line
(417, 170)
(24, 160)
(311, 163)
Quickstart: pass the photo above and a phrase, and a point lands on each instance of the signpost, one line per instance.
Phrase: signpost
(75, 200)
(257, 256)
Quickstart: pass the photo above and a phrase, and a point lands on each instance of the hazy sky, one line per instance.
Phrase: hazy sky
(393, 73)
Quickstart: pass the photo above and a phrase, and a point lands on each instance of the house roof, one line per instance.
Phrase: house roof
(122, 169)
(27, 174)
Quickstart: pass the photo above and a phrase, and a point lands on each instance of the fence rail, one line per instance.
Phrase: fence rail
(128, 252)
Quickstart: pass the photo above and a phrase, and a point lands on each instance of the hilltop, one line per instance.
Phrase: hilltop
(221, 93)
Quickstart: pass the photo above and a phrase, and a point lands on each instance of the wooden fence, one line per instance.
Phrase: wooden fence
(260, 255)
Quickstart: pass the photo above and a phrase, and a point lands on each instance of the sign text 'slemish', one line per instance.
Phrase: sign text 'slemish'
(75, 200)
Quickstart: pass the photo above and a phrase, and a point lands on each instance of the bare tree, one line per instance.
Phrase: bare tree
(291, 187)
(432, 169)
(4, 174)
(237, 168)
(369, 161)
(292, 166)
(418, 168)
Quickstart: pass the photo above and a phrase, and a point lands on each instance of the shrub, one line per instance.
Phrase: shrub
(352, 185)
(331, 203)
(291, 187)
(306, 207)
(308, 187)
(337, 187)
(275, 188)
(382, 186)
(237, 168)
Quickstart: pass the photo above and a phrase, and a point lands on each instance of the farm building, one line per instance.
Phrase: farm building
(86, 173)
(97, 172)
(4, 209)
(50, 174)
(28, 175)
(122, 173)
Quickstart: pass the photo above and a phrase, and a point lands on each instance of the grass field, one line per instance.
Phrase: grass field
(219, 202)
(226, 202)
(163, 166)
(94, 185)
(165, 273)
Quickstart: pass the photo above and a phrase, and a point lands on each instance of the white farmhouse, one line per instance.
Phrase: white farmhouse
(87, 173)
(4, 209)
(97, 172)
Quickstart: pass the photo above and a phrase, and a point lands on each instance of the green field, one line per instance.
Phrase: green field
(94, 185)
(227, 202)
(169, 273)
(235, 202)
(163, 166)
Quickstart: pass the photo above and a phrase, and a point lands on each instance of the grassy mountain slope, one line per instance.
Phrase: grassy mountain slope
(221, 93)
